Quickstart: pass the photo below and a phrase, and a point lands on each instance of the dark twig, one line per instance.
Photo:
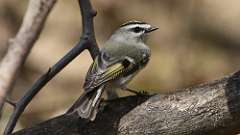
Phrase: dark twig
(87, 41)
(10, 102)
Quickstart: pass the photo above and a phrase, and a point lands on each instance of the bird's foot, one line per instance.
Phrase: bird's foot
(145, 93)
(139, 93)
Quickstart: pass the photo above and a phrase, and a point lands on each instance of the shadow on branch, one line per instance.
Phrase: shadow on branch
(106, 123)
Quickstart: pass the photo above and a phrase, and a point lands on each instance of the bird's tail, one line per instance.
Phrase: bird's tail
(87, 105)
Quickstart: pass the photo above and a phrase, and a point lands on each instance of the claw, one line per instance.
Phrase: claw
(144, 92)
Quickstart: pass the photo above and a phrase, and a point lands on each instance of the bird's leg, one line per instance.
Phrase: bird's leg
(130, 90)
(141, 93)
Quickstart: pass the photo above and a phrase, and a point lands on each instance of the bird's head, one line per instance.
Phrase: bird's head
(133, 31)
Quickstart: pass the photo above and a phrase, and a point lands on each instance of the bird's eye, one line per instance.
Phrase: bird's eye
(136, 29)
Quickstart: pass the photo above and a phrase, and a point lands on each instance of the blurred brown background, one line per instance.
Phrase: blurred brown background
(198, 41)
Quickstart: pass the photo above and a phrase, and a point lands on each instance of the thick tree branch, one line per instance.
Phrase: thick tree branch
(87, 41)
(20, 46)
(210, 108)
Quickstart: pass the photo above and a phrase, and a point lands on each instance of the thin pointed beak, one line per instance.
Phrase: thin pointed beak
(151, 29)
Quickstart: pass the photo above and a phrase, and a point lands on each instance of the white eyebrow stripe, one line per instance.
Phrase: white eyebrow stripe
(137, 25)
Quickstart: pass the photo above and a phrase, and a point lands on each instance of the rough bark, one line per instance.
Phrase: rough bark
(210, 108)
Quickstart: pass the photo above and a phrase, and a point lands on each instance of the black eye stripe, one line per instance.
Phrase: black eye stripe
(137, 29)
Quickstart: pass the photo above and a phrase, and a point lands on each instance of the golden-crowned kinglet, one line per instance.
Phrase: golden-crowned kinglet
(121, 58)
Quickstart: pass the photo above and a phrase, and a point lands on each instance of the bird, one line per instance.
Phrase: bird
(123, 55)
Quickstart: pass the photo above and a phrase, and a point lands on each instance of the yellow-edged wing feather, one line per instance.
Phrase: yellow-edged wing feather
(99, 73)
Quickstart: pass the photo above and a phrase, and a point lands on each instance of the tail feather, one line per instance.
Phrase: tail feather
(87, 105)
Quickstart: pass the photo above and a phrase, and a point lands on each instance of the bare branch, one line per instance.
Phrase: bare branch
(87, 41)
(211, 108)
(20, 46)
(10, 102)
